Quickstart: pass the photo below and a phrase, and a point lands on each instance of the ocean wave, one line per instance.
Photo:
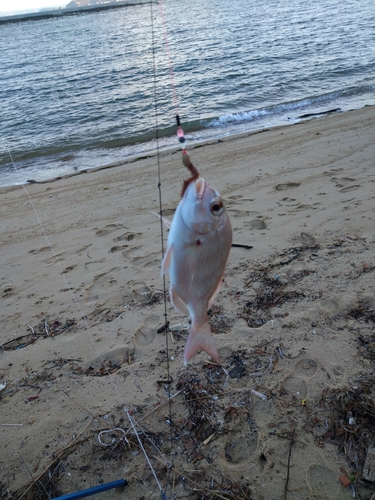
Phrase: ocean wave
(283, 108)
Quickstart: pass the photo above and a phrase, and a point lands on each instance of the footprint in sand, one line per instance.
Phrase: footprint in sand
(109, 228)
(333, 171)
(322, 479)
(101, 284)
(39, 250)
(307, 239)
(7, 292)
(140, 259)
(287, 185)
(118, 248)
(167, 212)
(350, 188)
(127, 236)
(300, 207)
(345, 183)
(238, 213)
(141, 292)
(295, 383)
(295, 387)
(240, 449)
(306, 367)
(235, 197)
(258, 224)
(113, 358)
(146, 334)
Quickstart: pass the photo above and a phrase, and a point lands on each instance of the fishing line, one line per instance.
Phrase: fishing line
(180, 132)
(87, 326)
(166, 324)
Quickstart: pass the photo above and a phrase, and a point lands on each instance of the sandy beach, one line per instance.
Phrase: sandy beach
(81, 305)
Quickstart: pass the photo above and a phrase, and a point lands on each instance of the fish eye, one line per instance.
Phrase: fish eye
(216, 207)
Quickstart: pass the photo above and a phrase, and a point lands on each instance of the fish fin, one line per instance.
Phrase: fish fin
(166, 261)
(217, 290)
(200, 337)
(177, 302)
(167, 222)
(212, 299)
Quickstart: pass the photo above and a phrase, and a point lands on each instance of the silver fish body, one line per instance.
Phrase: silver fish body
(198, 247)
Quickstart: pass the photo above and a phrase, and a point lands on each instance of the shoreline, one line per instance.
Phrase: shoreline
(191, 147)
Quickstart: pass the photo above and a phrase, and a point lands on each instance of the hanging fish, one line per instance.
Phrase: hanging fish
(198, 247)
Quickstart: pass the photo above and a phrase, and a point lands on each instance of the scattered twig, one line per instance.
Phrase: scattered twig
(79, 404)
(291, 443)
(239, 245)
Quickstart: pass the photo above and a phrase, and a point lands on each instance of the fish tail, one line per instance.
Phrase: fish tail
(200, 337)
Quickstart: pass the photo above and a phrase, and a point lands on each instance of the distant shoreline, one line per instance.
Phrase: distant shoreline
(36, 16)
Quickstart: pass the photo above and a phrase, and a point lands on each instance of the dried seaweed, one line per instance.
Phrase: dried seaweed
(197, 393)
(294, 253)
(219, 322)
(256, 312)
(367, 346)
(351, 420)
(362, 312)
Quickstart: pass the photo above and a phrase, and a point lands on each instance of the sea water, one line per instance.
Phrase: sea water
(79, 91)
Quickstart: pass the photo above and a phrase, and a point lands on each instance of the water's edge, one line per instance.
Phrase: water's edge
(172, 149)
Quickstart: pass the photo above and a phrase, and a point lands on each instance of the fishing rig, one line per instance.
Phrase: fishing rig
(136, 428)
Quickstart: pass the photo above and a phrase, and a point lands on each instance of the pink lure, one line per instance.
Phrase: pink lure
(198, 247)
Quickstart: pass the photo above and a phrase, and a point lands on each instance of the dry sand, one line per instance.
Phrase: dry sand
(294, 321)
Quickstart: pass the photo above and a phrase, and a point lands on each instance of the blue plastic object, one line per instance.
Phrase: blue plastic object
(93, 491)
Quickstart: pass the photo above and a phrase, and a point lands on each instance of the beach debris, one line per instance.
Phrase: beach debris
(259, 395)
(351, 423)
(198, 247)
(240, 245)
(362, 312)
(32, 398)
(274, 288)
(320, 113)
(2, 386)
(369, 466)
(114, 438)
(219, 322)
(345, 481)
(45, 328)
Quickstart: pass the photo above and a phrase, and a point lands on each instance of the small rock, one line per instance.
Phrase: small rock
(345, 481)
(237, 372)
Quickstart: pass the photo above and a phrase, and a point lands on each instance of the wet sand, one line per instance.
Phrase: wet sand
(294, 321)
